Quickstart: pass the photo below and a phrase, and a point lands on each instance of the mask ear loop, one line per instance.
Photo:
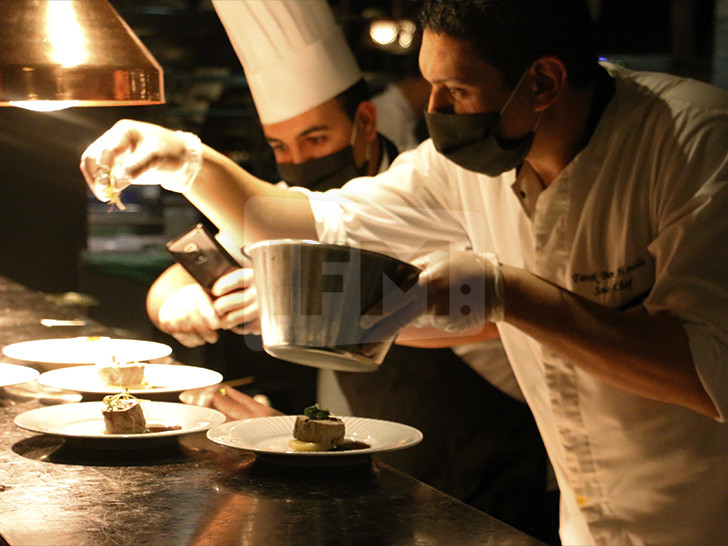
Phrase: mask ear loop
(513, 93)
(354, 130)
(538, 120)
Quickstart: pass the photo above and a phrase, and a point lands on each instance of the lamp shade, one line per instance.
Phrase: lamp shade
(75, 51)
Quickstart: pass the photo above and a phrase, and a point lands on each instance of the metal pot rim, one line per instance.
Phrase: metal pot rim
(310, 242)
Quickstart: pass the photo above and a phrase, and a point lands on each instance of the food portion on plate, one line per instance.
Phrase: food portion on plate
(316, 430)
(118, 374)
(123, 414)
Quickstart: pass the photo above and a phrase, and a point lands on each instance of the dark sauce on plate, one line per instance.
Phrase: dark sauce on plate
(162, 428)
(351, 445)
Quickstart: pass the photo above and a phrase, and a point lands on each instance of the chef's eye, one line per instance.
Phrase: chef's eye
(277, 147)
(316, 140)
(456, 92)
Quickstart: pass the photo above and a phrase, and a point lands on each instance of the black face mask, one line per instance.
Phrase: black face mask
(472, 140)
(323, 173)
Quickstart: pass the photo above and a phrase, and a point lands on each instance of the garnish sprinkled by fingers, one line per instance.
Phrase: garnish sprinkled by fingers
(113, 194)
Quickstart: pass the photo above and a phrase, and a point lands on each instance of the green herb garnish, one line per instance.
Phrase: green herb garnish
(314, 412)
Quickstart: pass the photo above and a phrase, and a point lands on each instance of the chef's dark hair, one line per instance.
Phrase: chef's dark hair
(512, 34)
(350, 99)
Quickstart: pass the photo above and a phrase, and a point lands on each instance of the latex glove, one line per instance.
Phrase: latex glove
(456, 291)
(237, 303)
(464, 290)
(189, 316)
(134, 152)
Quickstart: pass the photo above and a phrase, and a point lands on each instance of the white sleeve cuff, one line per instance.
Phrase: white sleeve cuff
(710, 355)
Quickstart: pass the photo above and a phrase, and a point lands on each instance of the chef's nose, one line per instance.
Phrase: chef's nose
(292, 155)
(297, 156)
(440, 100)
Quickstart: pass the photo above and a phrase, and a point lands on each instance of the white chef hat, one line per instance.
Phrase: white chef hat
(294, 54)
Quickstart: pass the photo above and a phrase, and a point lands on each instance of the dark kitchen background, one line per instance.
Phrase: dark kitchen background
(57, 239)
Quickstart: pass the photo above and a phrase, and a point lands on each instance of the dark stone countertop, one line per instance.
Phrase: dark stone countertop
(192, 491)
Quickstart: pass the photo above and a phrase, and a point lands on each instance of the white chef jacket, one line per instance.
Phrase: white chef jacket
(639, 219)
(397, 121)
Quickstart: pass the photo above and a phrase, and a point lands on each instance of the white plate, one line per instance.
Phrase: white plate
(85, 421)
(162, 378)
(78, 351)
(270, 435)
(12, 374)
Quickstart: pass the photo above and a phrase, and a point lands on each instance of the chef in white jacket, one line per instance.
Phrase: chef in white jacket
(499, 465)
(594, 199)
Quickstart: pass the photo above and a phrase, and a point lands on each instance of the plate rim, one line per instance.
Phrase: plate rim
(161, 390)
(7, 350)
(20, 420)
(32, 374)
(228, 426)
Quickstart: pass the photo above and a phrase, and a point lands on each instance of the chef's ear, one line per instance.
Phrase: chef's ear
(549, 76)
(366, 119)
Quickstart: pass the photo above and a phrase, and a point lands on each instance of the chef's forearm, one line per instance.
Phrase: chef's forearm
(169, 282)
(246, 207)
(648, 355)
(432, 338)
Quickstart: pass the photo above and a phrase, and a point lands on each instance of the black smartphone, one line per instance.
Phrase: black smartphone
(202, 256)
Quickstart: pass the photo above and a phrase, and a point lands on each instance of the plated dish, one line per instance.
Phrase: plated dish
(79, 351)
(85, 422)
(161, 378)
(12, 374)
(270, 436)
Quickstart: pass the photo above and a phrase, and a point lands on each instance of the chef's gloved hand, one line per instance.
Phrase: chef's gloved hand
(456, 291)
(236, 303)
(135, 152)
(189, 316)
(464, 290)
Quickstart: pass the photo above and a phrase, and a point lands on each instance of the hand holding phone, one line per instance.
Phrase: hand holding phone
(202, 256)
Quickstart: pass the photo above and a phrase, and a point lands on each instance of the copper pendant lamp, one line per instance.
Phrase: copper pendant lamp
(59, 53)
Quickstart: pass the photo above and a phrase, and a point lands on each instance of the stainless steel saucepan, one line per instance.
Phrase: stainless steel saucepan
(312, 296)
